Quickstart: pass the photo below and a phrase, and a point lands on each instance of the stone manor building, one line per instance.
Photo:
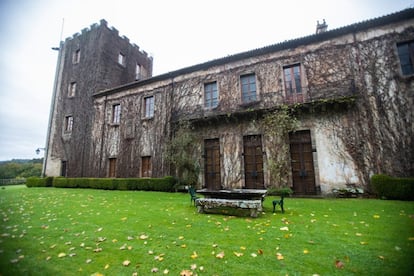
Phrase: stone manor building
(350, 89)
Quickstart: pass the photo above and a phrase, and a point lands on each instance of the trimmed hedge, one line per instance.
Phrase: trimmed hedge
(165, 184)
(393, 187)
(39, 182)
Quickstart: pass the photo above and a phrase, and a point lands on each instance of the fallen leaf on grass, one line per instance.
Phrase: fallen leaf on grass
(143, 237)
(220, 255)
(186, 272)
(194, 255)
(305, 251)
(339, 264)
(238, 254)
(106, 266)
(61, 255)
(284, 228)
(279, 256)
(166, 271)
(126, 263)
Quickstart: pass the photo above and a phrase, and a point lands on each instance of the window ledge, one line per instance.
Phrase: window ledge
(249, 104)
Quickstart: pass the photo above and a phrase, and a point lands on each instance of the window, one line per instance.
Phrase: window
(121, 59)
(68, 123)
(248, 87)
(76, 57)
(72, 89)
(406, 55)
(112, 167)
(146, 166)
(116, 114)
(210, 95)
(138, 72)
(292, 78)
(149, 107)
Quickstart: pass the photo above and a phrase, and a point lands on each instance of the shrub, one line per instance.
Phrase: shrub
(285, 191)
(165, 184)
(39, 182)
(393, 187)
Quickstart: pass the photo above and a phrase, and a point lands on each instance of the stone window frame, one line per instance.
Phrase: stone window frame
(208, 102)
(256, 91)
(121, 59)
(148, 111)
(289, 91)
(72, 89)
(410, 63)
(76, 56)
(68, 124)
(138, 71)
(116, 114)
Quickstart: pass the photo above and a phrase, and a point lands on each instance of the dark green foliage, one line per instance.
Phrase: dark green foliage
(165, 184)
(39, 182)
(285, 191)
(393, 187)
(20, 168)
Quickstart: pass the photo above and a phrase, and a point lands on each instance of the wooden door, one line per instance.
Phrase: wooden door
(253, 162)
(112, 167)
(146, 166)
(212, 174)
(303, 173)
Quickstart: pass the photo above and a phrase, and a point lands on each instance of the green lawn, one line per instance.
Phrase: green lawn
(51, 231)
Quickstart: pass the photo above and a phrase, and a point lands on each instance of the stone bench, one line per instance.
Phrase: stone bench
(254, 206)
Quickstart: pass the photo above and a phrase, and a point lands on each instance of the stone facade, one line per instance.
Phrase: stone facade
(346, 88)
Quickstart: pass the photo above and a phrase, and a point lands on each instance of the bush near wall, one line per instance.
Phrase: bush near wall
(393, 187)
(39, 182)
(165, 184)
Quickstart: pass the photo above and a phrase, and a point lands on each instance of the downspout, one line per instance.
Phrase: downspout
(102, 136)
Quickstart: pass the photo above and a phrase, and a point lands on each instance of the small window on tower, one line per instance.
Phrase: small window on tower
(72, 89)
(68, 123)
(138, 72)
(121, 59)
(76, 56)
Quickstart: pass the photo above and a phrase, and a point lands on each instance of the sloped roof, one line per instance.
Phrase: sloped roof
(289, 44)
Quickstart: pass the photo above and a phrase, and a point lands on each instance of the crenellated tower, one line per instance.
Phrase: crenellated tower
(96, 59)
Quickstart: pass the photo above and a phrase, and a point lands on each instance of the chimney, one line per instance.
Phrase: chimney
(320, 28)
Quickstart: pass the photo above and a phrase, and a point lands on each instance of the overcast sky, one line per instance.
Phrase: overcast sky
(177, 33)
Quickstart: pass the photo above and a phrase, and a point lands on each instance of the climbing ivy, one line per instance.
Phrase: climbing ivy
(181, 154)
(277, 125)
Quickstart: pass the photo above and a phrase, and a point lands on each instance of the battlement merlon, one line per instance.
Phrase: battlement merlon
(104, 24)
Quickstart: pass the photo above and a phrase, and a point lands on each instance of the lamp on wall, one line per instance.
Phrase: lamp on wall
(39, 149)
